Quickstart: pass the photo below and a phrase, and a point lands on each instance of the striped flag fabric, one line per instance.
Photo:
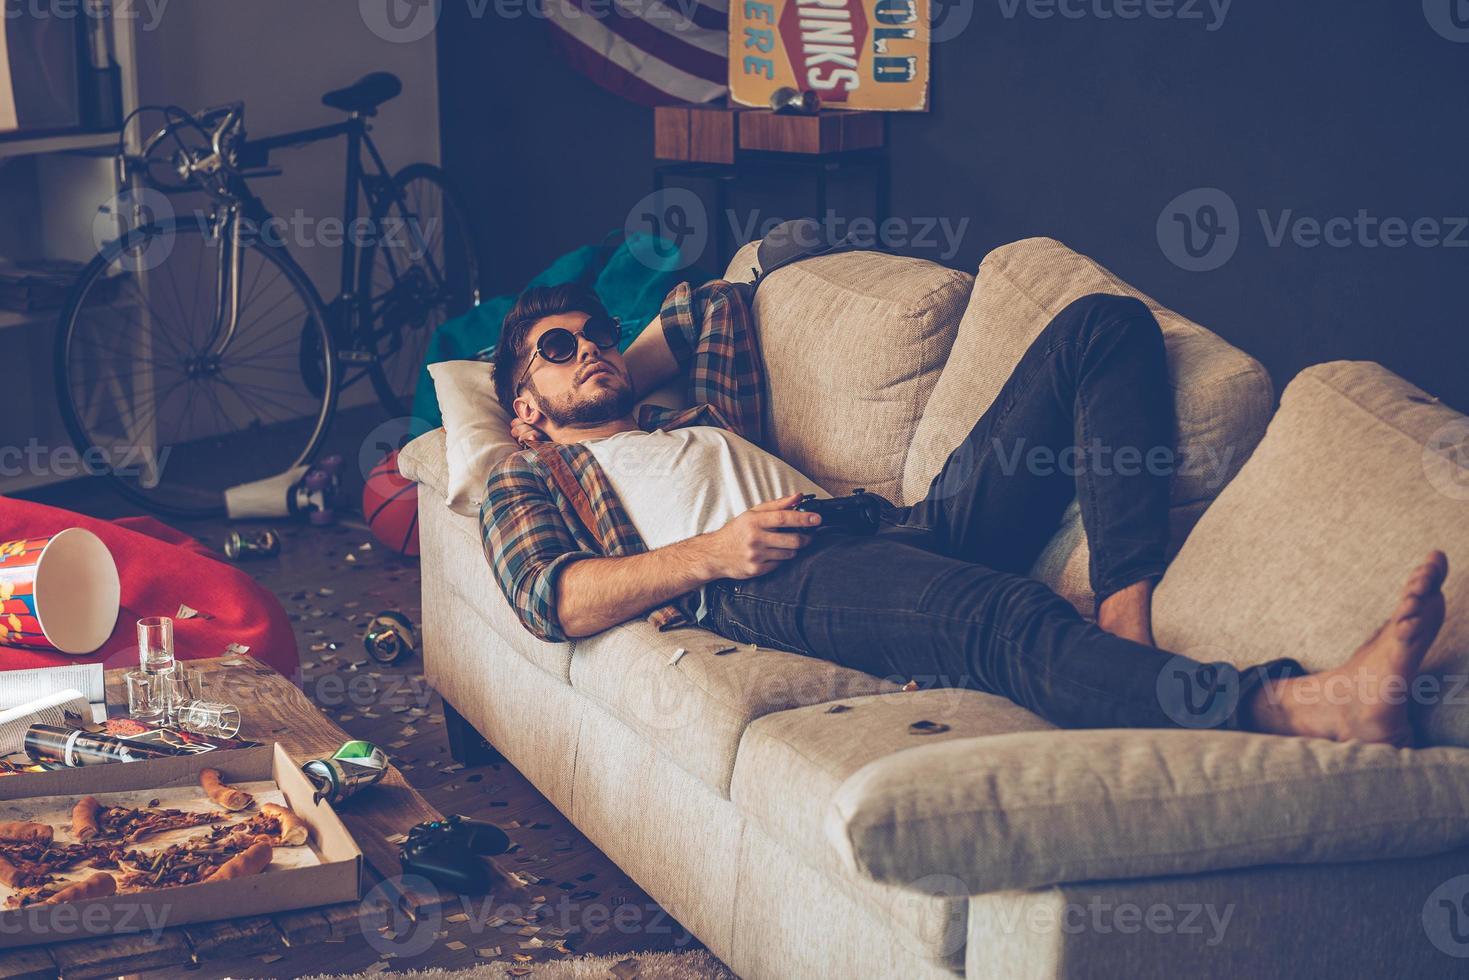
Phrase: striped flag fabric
(654, 52)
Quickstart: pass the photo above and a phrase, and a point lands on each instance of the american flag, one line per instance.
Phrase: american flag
(655, 52)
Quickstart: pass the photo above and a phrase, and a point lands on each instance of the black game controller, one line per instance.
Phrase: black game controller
(446, 852)
(861, 513)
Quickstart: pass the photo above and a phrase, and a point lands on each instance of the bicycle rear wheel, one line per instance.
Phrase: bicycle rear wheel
(153, 404)
(420, 270)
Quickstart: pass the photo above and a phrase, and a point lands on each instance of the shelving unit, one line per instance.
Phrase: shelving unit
(61, 143)
(50, 190)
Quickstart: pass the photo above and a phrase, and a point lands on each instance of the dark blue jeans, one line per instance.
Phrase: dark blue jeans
(940, 594)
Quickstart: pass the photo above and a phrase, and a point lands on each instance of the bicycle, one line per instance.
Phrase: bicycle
(195, 355)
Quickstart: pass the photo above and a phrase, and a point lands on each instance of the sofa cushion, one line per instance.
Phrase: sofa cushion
(1223, 396)
(791, 764)
(1305, 553)
(745, 264)
(853, 345)
(695, 708)
(1022, 811)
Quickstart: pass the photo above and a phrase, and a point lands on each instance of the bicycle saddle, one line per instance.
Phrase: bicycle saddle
(365, 94)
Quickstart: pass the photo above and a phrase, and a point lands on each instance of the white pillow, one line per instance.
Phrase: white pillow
(477, 430)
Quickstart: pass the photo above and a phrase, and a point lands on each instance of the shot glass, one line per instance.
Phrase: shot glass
(155, 644)
(147, 697)
(208, 718)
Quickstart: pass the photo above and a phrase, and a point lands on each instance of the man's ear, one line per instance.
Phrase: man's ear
(527, 412)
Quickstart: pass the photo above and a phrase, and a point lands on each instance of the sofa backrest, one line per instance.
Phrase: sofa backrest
(1305, 553)
(1223, 398)
(879, 366)
(853, 345)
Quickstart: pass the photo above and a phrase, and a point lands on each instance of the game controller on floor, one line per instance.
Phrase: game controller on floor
(446, 852)
(861, 513)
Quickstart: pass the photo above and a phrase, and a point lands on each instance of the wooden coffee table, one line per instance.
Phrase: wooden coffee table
(272, 710)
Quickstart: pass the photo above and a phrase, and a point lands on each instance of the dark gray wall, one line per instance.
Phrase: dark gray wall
(1082, 129)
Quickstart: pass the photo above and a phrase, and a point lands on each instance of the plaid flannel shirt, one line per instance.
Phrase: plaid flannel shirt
(530, 531)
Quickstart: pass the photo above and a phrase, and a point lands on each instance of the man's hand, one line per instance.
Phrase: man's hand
(525, 433)
(753, 543)
(594, 594)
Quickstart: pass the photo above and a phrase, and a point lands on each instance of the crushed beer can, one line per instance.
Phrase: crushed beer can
(390, 637)
(242, 545)
(355, 765)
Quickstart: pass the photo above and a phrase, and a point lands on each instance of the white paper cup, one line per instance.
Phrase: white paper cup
(73, 592)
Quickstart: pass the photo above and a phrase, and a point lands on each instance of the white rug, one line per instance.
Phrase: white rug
(699, 964)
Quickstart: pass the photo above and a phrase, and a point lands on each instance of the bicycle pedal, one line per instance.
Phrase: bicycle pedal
(356, 356)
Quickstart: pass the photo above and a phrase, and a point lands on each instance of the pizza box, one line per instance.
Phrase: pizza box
(333, 876)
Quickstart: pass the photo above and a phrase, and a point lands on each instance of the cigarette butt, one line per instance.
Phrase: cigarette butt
(677, 656)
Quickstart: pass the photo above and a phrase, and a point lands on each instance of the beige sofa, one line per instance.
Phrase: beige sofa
(798, 841)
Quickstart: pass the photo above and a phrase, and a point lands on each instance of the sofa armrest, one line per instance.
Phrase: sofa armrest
(1038, 808)
(425, 462)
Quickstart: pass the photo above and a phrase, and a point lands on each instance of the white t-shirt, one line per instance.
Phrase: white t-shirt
(677, 483)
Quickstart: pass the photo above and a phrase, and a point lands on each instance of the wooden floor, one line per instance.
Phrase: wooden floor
(578, 900)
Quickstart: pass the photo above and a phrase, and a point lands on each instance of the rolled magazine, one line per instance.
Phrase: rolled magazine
(66, 709)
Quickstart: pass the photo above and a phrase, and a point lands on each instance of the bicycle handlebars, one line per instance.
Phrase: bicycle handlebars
(204, 151)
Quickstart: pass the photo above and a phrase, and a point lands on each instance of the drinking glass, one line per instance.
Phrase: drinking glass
(155, 644)
(147, 700)
(182, 685)
(208, 718)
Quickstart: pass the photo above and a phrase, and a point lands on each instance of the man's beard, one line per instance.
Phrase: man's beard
(602, 405)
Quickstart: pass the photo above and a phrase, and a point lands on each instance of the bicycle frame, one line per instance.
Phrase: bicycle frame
(254, 153)
(355, 129)
(224, 175)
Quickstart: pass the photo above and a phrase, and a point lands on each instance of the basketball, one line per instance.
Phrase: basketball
(390, 506)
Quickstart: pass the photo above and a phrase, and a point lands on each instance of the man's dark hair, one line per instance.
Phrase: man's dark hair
(531, 307)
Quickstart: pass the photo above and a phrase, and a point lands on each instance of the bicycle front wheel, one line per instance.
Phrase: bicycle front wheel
(155, 398)
(421, 270)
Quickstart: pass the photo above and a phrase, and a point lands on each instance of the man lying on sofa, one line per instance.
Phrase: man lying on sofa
(686, 517)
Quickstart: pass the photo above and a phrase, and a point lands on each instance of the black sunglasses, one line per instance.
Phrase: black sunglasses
(558, 345)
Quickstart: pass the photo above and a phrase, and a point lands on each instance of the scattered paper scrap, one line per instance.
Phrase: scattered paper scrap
(677, 656)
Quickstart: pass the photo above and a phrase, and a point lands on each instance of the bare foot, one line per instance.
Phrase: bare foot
(1129, 613)
(1367, 697)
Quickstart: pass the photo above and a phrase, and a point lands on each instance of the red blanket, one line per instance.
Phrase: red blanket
(160, 569)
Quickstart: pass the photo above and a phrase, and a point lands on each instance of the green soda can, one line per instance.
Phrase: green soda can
(356, 764)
